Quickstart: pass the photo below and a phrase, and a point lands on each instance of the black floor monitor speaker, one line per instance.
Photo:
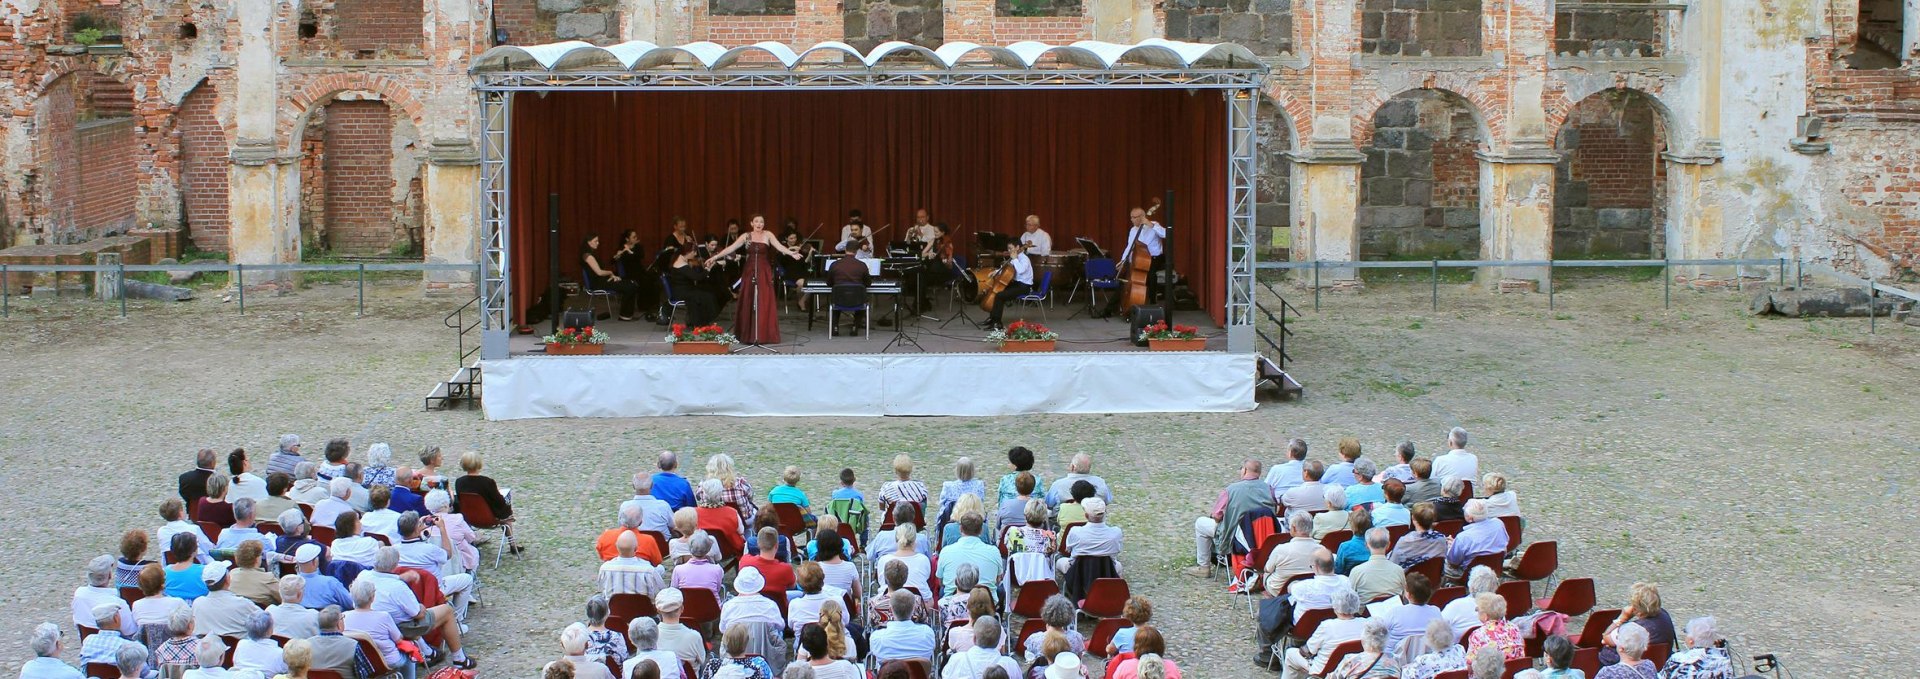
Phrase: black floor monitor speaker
(577, 318)
(1144, 316)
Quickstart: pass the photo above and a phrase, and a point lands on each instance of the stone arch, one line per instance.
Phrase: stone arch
(82, 180)
(1277, 122)
(1420, 180)
(1610, 182)
(1651, 89)
(325, 89)
(1486, 110)
(204, 149)
(1299, 116)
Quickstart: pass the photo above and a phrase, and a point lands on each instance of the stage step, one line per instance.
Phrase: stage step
(463, 386)
(1270, 376)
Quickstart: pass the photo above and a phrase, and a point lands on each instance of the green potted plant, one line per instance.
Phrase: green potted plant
(1024, 336)
(1162, 337)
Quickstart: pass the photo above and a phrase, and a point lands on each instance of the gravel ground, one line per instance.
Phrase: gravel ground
(1755, 468)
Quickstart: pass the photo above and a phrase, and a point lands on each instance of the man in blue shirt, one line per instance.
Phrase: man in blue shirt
(969, 549)
(902, 639)
(404, 499)
(670, 487)
(322, 590)
(1391, 512)
(1480, 537)
(1363, 491)
(1341, 473)
(46, 650)
(1284, 476)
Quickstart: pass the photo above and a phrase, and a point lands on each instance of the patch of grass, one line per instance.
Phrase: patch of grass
(1563, 316)
(1414, 325)
(1406, 389)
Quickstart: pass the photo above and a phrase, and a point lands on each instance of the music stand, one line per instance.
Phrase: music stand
(990, 241)
(900, 336)
(1092, 248)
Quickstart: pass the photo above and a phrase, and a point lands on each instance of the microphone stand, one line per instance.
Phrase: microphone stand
(900, 336)
(754, 317)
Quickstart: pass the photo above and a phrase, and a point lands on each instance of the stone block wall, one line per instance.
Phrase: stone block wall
(1272, 212)
(1627, 31)
(867, 23)
(1444, 28)
(1610, 184)
(1265, 26)
(1420, 182)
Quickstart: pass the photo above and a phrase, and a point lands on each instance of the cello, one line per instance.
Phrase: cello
(991, 284)
(1138, 271)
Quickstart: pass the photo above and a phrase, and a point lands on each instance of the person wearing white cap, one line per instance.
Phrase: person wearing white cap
(1065, 666)
(221, 611)
(104, 646)
(322, 590)
(748, 605)
(684, 641)
(291, 618)
(287, 457)
(1094, 538)
(100, 590)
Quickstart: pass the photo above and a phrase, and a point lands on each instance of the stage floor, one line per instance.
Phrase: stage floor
(1082, 334)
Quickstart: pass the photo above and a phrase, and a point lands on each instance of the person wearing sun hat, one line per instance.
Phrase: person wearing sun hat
(322, 590)
(221, 611)
(1065, 666)
(748, 605)
(682, 640)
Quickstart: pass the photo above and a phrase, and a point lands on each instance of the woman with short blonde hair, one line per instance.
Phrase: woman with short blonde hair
(903, 488)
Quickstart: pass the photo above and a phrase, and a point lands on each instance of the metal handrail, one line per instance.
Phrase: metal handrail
(457, 321)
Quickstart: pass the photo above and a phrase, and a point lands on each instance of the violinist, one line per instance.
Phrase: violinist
(1021, 285)
(631, 259)
(856, 229)
(688, 278)
(680, 235)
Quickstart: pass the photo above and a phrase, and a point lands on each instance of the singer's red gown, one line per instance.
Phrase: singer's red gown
(757, 319)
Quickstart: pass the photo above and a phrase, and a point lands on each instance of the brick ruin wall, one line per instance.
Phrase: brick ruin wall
(1610, 184)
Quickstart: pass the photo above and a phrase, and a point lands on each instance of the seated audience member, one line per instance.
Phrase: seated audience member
(1318, 591)
(847, 489)
(699, 571)
(1058, 614)
(1012, 511)
(669, 485)
(733, 644)
(1070, 512)
(1630, 647)
(1213, 533)
(814, 593)
(99, 589)
(656, 514)
(1337, 514)
(320, 589)
(298, 655)
(735, 492)
(1402, 470)
(833, 621)
(244, 484)
(1390, 512)
(381, 519)
(893, 577)
(286, 456)
(1095, 538)
(1457, 463)
(716, 517)
(396, 599)
(249, 581)
(1494, 629)
(1341, 473)
(1080, 468)
(629, 574)
(969, 549)
(883, 544)
(1421, 542)
(1464, 613)
(132, 662)
(1373, 660)
(1411, 618)
(979, 606)
(603, 643)
(133, 552)
(1310, 495)
(258, 651)
(973, 662)
(1032, 545)
(1019, 460)
(404, 499)
(820, 663)
(333, 650)
(308, 487)
(963, 484)
(335, 504)
(965, 580)
(1364, 492)
(193, 482)
(433, 556)
(428, 472)
(1311, 658)
(334, 459)
(221, 611)
(950, 529)
(644, 634)
(182, 572)
(379, 470)
(1480, 537)
(1284, 476)
(1500, 500)
(1054, 651)
(214, 508)
(1487, 664)
(276, 500)
(686, 522)
(632, 517)
(1704, 657)
(178, 648)
(211, 653)
(919, 568)
(1557, 655)
(1423, 488)
(1295, 556)
(903, 488)
(749, 605)
(244, 528)
(1353, 552)
(1378, 576)
(574, 644)
(499, 500)
(683, 641)
(104, 645)
(788, 490)
(466, 542)
(1139, 611)
(349, 544)
(291, 619)
(1151, 648)
(902, 638)
(1443, 655)
(294, 532)
(1644, 609)
(154, 605)
(839, 570)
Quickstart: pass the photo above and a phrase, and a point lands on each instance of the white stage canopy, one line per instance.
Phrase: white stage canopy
(577, 56)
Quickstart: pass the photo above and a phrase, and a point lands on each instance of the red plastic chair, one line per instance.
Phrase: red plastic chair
(1450, 527)
(380, 538)
(1394, 533)
(1309, 621)
(1519, 596)
(1573, 597)
(700, 609)
(1456, 674)
(480, 517)
(1334, 539)
(1340, 652)
(380, 668)
(1516, 666)
(317, 673)
(1596, 627)
(1248, 574)
(1537, 563)
(1658, 654)
(323, 535)
(1031, 627)
(1105, 598)
(1587, 660)
(851, 538)
(233, 644)
(269, 527)
(306, 510)
(86, 631)
(1512, 524)
(131, 594)
(1032, 596)
(1446, 595)
(630, 606)
(1103, 632)
(210, 528)
(1493, 562)
(793, 522)
(659, 542)
(103, 670)
(1065, 532)
(1433, 568)
(1466, 490)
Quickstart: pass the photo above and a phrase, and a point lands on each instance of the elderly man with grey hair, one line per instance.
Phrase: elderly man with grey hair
(1460, 613)
(393, 597)
(99, 590)
(1704, 658)
(1347, 625)
(656, 514)
(258, 651)
(337, 502)
(1481, 536)
(293, 619)
(1284, 476)
(287, 456)
(245, 528)
(336, 651)
(46, 662)
(1311, 494)
(211, 653)
(1295, 556)
(104, 646)
(308, 487)
(132, 662)
(1213, 533)
(1080, 468)
(1403, 454)
(1378, 576)
(1457, 463)
(644, 634)
(1488, 663)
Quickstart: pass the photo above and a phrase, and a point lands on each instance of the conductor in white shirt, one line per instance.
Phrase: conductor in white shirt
(1036, 238)
(1021, 285)
(856, 229)
(1145, 233)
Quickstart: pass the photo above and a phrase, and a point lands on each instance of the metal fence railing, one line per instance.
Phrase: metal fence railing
(237, 271)
(1780, 267)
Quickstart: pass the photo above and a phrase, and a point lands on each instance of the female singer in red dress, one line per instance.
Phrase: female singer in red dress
(757, 320)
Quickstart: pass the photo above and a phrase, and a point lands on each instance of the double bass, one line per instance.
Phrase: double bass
(1138, 271)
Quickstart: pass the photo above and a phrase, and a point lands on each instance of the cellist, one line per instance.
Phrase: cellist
(1022, 283)
(1150, 235)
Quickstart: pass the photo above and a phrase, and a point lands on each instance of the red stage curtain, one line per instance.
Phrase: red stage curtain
(977, 160)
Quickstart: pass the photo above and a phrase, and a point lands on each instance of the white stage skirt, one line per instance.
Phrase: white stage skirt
(867, 384)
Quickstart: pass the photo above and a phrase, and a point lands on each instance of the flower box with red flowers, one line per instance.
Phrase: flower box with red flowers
(1024, 336)
(706, 339)
(1163, 337)
(576, 342)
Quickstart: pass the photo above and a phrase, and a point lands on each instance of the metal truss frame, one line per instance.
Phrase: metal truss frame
(1240, 87)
